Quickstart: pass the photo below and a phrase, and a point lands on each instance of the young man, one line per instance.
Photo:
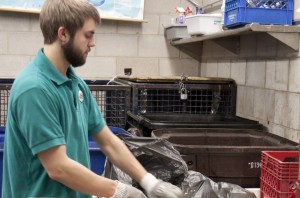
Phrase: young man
(51, 114)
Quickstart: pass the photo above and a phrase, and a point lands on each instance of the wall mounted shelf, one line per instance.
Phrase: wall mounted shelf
(231, 39)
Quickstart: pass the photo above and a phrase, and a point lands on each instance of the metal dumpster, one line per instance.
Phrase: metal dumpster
(228, 155)
(148, 122)
(183, 102)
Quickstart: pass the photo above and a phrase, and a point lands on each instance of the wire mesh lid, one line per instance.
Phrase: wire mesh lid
(187, 79)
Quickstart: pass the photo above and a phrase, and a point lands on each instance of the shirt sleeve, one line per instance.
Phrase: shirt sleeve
(37, 115)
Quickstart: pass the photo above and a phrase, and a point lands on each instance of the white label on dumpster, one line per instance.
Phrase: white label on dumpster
(254, 164)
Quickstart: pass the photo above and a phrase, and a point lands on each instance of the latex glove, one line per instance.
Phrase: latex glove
(159, 189)
(126, 191)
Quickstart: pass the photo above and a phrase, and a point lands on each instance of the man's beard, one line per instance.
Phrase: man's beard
(73, 55)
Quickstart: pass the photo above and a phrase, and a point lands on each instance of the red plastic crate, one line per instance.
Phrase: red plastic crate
(282, 185)
(267, 191)
(283, 172)
(283, 164)
(279, 173)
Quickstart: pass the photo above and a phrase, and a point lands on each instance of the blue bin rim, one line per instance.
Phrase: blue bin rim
(2, 129)
(116, 131)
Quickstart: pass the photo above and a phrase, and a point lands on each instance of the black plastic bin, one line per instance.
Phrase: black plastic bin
(148, 122)
(228, 155)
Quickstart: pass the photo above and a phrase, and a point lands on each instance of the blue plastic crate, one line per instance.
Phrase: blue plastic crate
(266, 12)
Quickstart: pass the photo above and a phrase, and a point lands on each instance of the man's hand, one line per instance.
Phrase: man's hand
(159, 189)
(126, 191)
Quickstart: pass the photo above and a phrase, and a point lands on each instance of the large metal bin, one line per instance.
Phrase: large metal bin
(148, 122)
(189, 95)
(112, 99)
(228, 155)
(5, 86)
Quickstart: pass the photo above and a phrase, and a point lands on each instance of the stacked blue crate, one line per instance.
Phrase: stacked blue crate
(265, 12)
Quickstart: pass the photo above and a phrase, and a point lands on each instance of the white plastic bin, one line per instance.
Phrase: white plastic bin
(204, 24)
(174, 32)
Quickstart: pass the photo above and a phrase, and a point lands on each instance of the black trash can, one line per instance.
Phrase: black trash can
(228, 155)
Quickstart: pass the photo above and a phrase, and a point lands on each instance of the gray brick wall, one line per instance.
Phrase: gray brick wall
(119, 45)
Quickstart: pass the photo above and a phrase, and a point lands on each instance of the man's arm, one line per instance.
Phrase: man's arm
(77, 177)
(122, 157)
(74, 175)
(119, 154)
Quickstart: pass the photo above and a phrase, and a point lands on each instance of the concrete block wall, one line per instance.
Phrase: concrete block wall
(268, 88)
(268, 77)
(119, 45)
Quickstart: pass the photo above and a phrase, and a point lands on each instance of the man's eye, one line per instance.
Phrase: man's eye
(89, 36)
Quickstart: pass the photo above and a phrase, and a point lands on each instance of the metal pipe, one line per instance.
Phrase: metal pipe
(194, 3)
(212, 4)
(197, 6)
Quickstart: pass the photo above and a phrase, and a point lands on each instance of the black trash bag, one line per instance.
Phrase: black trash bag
(158, 157)
(161, 159)
(196, 185)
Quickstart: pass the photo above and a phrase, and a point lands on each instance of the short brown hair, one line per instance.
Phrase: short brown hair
(70, 14)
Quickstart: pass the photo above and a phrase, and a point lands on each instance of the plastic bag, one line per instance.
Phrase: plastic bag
(160, 158)
(196, 185)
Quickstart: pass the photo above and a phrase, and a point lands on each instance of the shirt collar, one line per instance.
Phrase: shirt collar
(50, 70)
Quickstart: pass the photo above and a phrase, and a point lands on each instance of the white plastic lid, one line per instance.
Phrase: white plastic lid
(205, 15)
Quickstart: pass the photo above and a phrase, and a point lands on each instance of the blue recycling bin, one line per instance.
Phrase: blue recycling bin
(97, 157)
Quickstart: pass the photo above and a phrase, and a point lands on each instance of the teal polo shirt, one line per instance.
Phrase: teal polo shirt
(45, 110)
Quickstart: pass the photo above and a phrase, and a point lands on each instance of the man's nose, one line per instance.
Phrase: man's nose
(92, 43)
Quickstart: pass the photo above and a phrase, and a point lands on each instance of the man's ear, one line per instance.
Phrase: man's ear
(63, 35)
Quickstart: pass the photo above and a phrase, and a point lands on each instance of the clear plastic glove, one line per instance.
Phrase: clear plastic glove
(126, 191)
(159, 189)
